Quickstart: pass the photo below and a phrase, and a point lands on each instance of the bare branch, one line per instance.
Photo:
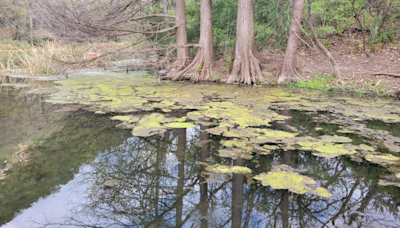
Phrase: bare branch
(152, 16)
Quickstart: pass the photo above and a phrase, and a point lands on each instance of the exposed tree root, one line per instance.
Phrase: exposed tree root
(177, 66)
(289, 74)
(199, 69)
(246, 69)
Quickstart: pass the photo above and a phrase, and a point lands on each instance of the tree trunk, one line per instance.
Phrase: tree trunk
(30, 21)
(181, 36)
(237, 195)
(204, 156)
(319, 44)
(289, 72)
(165, 5)
(180, 154)
(202, 62)
(247, 64)
(357, 17)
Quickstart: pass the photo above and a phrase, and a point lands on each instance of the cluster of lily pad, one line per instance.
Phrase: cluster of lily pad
(242, 115)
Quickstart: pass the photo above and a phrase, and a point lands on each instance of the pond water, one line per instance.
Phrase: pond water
(118, 150)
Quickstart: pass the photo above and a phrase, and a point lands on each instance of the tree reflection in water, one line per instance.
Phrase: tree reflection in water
(158, 182)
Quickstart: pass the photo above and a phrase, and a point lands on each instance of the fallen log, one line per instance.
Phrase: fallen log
(387, 73)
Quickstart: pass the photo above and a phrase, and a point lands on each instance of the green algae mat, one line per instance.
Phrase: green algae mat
(253, 121)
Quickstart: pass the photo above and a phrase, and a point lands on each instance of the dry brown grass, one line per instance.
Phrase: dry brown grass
(50, 58)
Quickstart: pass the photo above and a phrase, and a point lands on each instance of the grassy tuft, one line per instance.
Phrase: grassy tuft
(320, 82)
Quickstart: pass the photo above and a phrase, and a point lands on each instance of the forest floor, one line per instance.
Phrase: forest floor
(378, 74)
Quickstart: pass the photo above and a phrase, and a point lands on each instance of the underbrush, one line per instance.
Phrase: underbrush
(320, 82)
(350, 85)
(52, 57)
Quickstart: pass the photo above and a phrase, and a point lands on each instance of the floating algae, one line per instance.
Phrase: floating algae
(271, 136)
(335, 138)
(285, 177)
(237, 149)
(183, 119)
(116, 92)
(130, 119)
(179, 125)
(382, 159)
(237, 115)
(388, 183)
(243, 145)
(234, 154)
(332, 150)
(172, 157)
(223, 169)
(245, 114)
(150, 125)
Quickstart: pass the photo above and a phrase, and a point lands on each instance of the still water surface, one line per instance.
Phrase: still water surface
(66, 167)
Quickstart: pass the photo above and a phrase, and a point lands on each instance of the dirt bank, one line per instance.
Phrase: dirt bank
(378, 73)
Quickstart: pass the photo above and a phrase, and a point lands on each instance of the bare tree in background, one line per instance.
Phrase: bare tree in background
(165, 6)
(97, 20)
(30, 15)
(289, 71)
(15, 20)
(324, 50)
